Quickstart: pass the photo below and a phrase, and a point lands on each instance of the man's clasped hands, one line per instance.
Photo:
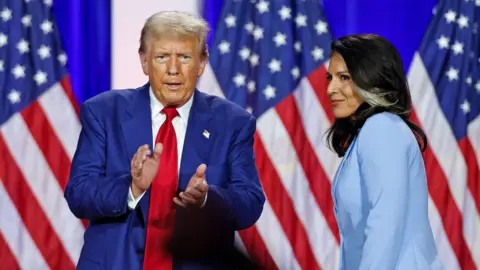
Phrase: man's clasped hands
(144, 167)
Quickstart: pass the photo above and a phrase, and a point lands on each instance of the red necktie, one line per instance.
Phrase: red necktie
(161, 214)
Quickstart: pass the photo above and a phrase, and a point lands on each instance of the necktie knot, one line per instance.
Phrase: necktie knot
(170, 113)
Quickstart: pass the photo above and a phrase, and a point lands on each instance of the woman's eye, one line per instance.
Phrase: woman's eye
(344, 77)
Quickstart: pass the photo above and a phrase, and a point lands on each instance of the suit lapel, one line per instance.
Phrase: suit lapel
(335, 179)
(198, 138)
(137, 126)
(341, 166)
(137, 131)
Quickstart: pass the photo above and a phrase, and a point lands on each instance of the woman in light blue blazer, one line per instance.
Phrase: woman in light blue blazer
(380, 189)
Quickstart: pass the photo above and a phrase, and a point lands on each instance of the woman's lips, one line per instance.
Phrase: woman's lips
(335, 101)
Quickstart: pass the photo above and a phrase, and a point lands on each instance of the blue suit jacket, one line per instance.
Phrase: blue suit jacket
(381, 200)
(114, 125)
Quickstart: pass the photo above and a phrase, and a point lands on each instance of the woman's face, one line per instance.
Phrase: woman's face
(343, 98)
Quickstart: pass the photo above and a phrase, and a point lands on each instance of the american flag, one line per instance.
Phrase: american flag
(271, 58)
(445, 83)
(39, 128)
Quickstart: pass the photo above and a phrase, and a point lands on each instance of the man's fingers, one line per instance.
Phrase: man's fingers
(135, 156)
(140, 155)
(145, 154)
(139, 160)
(145, 146)
(187, 198)
(194, 192)
(200, 185)
(177, 201)
(200, 173)
(134, 160)
(157, 151)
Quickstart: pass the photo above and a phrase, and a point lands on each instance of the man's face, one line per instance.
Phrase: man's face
(173, 65)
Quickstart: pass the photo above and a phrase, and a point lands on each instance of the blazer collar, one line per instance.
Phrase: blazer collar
(340, 167)
(140, 101)
(156, 106)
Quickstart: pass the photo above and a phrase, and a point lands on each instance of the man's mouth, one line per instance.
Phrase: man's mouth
(173, 86)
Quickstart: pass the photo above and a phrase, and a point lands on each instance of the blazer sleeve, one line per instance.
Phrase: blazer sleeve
(90, 194)
(241, 203)
(383, 152)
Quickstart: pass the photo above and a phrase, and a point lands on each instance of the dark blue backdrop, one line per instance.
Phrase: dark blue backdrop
(85, 29)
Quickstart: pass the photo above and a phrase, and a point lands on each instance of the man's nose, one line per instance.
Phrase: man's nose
(172, 67)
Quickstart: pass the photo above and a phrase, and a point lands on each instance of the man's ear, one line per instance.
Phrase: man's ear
(143, 62)
(203, 63)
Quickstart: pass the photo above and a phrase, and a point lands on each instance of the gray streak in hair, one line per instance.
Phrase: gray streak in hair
(375, 97)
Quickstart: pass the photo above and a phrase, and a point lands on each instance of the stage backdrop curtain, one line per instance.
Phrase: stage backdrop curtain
(402, 22)
(85, 29)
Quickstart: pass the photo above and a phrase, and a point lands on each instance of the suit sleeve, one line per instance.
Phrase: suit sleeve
(89, 193)
(383, 151)
(241, 203)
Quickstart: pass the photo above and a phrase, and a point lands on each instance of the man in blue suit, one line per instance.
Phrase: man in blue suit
(164, 173)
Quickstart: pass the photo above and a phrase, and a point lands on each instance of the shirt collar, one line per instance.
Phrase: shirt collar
(156, 106)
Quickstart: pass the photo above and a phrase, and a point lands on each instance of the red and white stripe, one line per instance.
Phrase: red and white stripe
(36, 149)
(18, 249)
(296, 169)
(453, 175)
(292, 157)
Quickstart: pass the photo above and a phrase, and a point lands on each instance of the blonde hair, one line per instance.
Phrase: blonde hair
(176, 23)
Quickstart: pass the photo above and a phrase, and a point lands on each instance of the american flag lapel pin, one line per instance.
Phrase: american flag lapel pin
(206, 134)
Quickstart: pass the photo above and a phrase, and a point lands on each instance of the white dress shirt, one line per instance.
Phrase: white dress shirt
(179, 124)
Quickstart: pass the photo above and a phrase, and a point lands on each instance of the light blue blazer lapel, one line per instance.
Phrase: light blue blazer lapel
(198, 138)
(341, 167)
(137, 131)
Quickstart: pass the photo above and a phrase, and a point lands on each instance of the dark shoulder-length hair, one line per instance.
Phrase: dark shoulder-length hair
(376, 69)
